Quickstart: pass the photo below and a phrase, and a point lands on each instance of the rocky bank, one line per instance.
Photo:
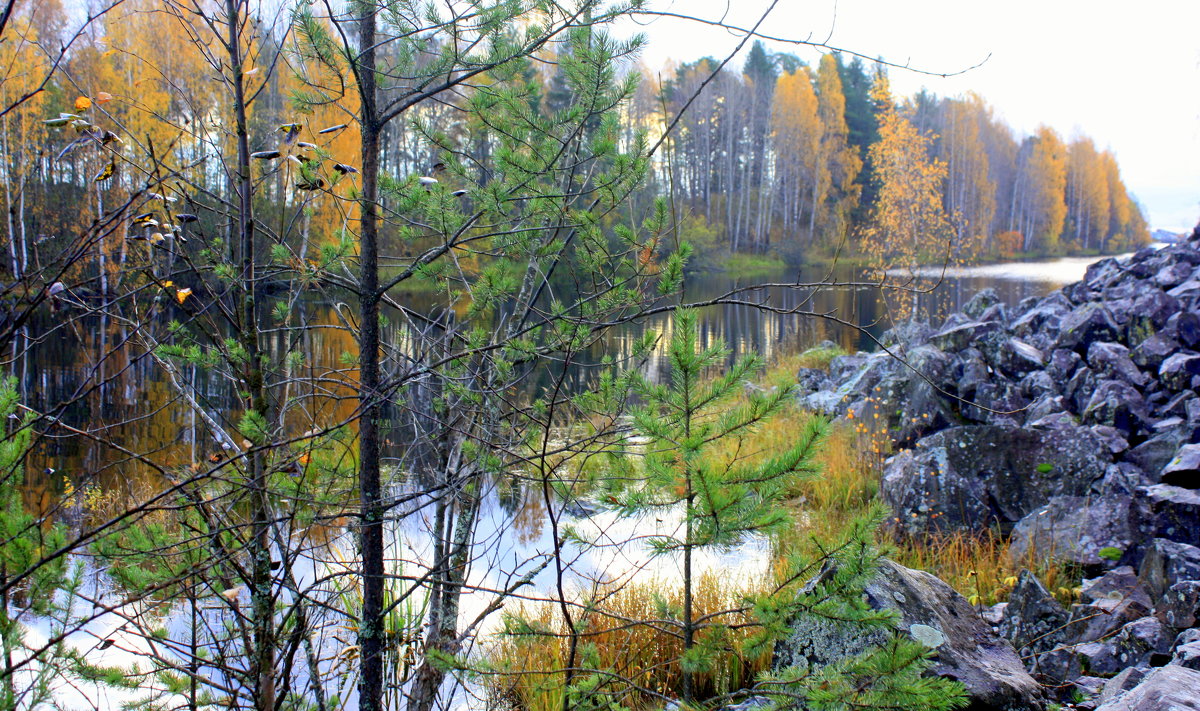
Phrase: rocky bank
(1071, 422)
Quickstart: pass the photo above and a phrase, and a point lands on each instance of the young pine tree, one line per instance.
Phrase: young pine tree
(725, 498)
(722, 500)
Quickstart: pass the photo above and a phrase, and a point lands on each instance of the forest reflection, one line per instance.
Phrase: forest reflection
(117, 393)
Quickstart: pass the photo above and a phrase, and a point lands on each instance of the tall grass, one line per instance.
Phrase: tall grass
(626, 630)
(629, 640)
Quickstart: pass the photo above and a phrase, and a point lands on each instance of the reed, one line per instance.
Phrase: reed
(628, 642)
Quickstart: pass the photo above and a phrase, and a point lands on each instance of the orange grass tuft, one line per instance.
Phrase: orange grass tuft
(626, 635)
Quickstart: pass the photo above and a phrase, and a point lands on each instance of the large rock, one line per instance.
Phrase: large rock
(1184, 325)
(1079, 529)
(1120, 583)
(1169, 688)
(1155, 453)
(1117, 404)
(1033, 620)
(1137, 644)
(1148, 314)
(983, 300)
(1186, 652)
(1173, 512)
(1179, 607)
(970, 477)
(965, 647)
(1184, 468)
(956, 338)
(1102, 618)
(1166, 563)
(1018, 358)
(1086, 325)
(1151, 353)
(1179, 371)
(1111, 360)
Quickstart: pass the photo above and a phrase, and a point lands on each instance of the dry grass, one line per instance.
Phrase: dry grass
(978, 563)
(626, 634)
(825, 507)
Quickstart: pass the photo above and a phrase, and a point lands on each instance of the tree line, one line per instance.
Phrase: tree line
(773, 158)
(779, 156)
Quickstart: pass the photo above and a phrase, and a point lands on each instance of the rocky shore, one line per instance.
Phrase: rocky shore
(1072, 423)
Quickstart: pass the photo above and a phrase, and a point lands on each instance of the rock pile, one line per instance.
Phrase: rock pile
(1071, 422)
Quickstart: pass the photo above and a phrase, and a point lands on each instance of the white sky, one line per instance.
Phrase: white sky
(1125, 73)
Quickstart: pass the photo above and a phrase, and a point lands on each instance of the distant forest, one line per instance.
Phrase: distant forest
(774, 159)
(778, 156)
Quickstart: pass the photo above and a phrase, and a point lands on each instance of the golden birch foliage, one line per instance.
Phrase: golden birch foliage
(796, 129)
(1087, 194)
(1127, 225)
(909, 223)
(1046, 175)
(841, 159)
(23, 66)
(970, 192)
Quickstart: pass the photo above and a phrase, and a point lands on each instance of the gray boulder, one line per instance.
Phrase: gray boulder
(956, 338)
(1112, 360)
(982, 301)
(1169, 688)
(1186, 650)
(1166, 563)
(1173, 512)
(1086, 325)
(1076, 529)
(1155, 453)
(968, 477)
(1148, 314)
(1099, 620)
(1179, 607)
(1135, 644)
(1033, 620)
(1184, 325)
(1017, 358)
(1184, 468)
(1151, 353)
(1120, 583)
(1118, 405)
(964, 646)
(1178, 371)
(1045, 318)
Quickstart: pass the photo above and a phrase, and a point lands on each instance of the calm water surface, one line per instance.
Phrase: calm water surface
(126, 398)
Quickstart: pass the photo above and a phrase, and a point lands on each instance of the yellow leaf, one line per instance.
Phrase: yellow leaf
(168, 283)
(108, 172)
(182, 294)
(82, 103)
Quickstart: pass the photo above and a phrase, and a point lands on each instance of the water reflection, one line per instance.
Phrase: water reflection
(96, 376)
(94, 373)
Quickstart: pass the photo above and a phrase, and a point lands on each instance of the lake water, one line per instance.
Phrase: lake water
(114, 391)
(117, 393)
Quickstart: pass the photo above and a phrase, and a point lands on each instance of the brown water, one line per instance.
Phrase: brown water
(95, 376)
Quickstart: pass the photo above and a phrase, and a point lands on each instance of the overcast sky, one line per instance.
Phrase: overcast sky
(1125, 73)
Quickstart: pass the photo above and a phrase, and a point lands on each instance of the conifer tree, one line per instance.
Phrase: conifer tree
(721, 502)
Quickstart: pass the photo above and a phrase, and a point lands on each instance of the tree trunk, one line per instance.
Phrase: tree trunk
(370, 637)
(261, 597)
